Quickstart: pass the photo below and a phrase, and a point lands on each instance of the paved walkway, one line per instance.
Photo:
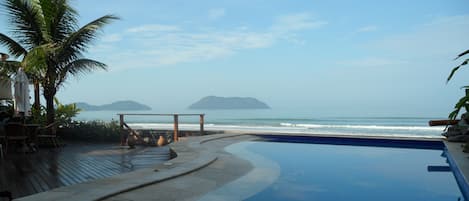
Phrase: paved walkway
(462, 161)
(196, 184)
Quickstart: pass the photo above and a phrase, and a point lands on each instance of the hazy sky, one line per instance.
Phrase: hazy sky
(381, 58)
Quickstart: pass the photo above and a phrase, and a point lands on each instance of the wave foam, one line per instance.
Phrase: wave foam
(368, 127)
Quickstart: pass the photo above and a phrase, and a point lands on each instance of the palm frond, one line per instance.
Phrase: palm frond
(462, 54)
(60, 18)
(456, 69)
(462, 103)
(9, 67)
(79, 66)
(26, 20)
(35, 62)
(14, 48)
(78, 41)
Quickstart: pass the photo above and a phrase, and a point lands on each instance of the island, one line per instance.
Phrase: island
(220, 103)
(115, 106)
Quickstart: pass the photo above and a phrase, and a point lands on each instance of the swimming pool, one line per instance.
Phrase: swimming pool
(343, 170)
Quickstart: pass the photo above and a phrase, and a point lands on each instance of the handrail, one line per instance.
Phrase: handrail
(444, 122)
(176, 124)
(130, 129)
(149, 114)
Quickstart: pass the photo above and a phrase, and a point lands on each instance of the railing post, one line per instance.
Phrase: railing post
(201, 124)
(176, 128)
(121, 124)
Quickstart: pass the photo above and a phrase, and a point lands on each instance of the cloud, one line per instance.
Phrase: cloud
(153, 28)
(296, 22)
(443, 37)
(216, 13)
(366, 29)
(159, 44)
(429, 46)
(371, 62)
(112, 38)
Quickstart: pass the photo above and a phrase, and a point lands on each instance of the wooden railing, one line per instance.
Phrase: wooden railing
(444, 122)
(124, 125)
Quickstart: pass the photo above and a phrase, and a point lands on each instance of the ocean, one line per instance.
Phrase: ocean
(278, 121)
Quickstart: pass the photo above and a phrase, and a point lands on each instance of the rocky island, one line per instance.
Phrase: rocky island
(220, 103)
(118, 106)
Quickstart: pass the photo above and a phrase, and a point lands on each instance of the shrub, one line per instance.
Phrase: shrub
(63, 113)
(95, 131)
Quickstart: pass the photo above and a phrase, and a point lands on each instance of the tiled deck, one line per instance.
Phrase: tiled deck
(26, 174)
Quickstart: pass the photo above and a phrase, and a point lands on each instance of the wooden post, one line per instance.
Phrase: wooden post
(176, 128)
(121, 123)
(202, 124)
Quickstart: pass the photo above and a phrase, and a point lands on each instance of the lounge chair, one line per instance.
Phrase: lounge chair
(15, 132)
(48, 134)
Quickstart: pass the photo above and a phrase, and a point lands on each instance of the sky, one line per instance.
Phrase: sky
(379, 58)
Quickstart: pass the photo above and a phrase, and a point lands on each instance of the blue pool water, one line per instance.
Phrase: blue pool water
(343, 172)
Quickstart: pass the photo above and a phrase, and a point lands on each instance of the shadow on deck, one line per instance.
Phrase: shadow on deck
(26, 174)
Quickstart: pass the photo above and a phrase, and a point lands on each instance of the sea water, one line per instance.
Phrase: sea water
(278, 121)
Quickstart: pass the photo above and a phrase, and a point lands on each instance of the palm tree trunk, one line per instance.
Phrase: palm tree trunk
(49, 93)
(37, 98)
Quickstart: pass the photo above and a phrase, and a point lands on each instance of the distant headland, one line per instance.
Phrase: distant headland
(220, 103)
(118, 106)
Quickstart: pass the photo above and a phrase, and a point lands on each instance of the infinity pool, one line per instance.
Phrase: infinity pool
(303, 171)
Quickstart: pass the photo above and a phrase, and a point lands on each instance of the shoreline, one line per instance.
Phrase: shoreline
(276, 130)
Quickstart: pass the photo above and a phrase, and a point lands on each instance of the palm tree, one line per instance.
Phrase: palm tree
(49, 30)
(464, 101)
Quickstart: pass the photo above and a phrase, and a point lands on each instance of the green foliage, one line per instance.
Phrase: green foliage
(94, 131)
(463, 101)
(51, 42)
(7, 110)
(38, 116)
(465, 62)
(65, 113)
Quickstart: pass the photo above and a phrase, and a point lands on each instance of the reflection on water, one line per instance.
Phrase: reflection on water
(338, 172)
(264, 173)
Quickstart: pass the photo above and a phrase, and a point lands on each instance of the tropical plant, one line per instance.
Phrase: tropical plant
(94, 131)
(48, 29)
(463, 101)
(65, 113)
(465, 62)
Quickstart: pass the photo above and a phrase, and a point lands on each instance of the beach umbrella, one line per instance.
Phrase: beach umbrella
(22, 93)
(5, 90)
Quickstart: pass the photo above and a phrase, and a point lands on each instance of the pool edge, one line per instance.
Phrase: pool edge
(455, 164)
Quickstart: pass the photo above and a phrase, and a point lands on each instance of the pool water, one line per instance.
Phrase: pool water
(343, 172)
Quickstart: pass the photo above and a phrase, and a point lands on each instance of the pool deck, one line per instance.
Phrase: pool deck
(201, 166)
(25, 174)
